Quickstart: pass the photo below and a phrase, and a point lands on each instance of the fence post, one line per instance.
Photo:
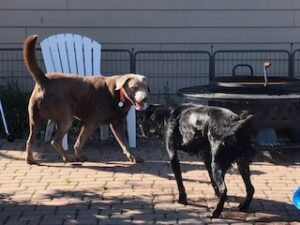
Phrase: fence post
(212, 64)
(291, 62)
(132, 61)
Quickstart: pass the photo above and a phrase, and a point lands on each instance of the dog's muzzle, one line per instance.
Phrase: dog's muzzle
(140, 99)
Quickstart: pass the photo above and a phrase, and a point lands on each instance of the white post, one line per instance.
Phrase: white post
(131, 127)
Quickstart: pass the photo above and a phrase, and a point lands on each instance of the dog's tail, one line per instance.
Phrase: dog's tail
(31, 62)
(244, 125)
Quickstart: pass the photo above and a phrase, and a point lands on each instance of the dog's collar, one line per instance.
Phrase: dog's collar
(122, 98)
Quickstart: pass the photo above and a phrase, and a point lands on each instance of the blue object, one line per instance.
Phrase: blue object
(296, 198)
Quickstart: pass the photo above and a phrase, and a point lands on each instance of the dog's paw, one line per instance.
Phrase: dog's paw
(136, 159)
(182, 200)
(84, 158)
(81, 158)
(31, 161)
(243, 207)
(217, 193)
(215, 214)
(68, 159)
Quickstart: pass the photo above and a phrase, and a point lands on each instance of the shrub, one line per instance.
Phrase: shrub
(14, 104)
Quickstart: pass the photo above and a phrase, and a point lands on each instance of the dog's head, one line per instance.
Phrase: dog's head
(135, 88)
(152, 121)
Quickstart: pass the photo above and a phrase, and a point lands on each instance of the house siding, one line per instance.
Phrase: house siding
(156, 24)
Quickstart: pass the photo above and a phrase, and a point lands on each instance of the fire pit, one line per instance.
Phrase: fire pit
(275, 100)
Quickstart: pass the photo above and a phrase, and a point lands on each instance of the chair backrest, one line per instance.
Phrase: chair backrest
(71, 53)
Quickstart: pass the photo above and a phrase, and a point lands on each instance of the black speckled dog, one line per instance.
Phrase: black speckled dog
(219, 135)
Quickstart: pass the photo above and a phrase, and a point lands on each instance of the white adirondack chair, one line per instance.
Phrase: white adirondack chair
(76, 54)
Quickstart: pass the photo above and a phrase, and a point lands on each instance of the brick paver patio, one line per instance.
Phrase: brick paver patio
(113, 191)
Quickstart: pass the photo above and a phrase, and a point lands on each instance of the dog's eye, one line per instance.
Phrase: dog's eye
(135, 87)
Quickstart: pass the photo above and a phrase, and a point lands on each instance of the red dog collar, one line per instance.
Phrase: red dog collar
(122, 98)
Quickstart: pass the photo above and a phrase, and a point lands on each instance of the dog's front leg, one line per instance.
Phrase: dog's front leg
(118, 130)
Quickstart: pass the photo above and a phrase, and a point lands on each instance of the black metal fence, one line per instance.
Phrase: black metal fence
(167, 71)
(116, 61)
(296, 63)
(245, 62)
(13, 71)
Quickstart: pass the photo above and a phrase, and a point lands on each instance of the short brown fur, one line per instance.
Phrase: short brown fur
(91, 99)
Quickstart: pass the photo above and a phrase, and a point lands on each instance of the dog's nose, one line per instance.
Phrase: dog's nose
(140, 96)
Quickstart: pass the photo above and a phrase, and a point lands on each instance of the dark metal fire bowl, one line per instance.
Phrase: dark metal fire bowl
(276, 106)
(255, 85)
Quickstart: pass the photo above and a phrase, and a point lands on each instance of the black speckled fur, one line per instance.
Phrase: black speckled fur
(220, 136)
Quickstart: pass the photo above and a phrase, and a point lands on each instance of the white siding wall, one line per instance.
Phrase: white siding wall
(156, 24)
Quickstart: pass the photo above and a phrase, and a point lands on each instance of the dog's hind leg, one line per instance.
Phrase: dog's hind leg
(33, 131)
(63, 127)
(34, 123)
(218, 173)
(207, 162)
(245, 173)
(86, 131)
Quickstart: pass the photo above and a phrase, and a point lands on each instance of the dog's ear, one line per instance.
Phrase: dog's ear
(154, 106)
(151, 108)
(121, 81)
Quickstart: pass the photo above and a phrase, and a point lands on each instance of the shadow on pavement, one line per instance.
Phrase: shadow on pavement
(93, 207)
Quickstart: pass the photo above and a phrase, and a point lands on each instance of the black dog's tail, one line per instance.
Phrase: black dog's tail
(243, 129)
(244, 125)
(31, 62)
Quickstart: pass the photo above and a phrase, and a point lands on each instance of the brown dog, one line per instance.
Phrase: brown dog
(92, 99)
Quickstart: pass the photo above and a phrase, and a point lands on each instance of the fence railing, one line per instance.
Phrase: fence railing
(243, 62)
(295, 64)
(13, 71)
(167, 71)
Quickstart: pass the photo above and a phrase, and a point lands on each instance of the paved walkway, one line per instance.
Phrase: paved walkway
(113, 191)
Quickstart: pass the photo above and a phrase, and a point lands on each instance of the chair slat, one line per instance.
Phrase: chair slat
(96, 58)
(87, 43)
(55, 54)
(47, 56)
(79, 54)
(69, 38)
(62, 50)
